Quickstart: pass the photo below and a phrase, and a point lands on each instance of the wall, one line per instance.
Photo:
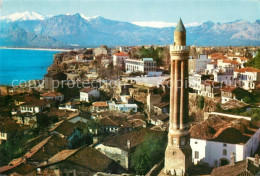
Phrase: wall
(116, 154)
(211, 152)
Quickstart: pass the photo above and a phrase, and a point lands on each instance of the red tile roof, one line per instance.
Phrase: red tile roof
(248, 69)
(217, 56)
(228, 88)
(121, 54)
(51, 94)
(100, 104)
(86, 89)
(135, 137)
(245, 167)
(209, 82)
(224, 129)
(86, 157)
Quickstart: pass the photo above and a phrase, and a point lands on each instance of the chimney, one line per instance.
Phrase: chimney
(128, 144)
(232, 159)
(256, 160)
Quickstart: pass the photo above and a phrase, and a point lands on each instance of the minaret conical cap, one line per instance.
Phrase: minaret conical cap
(180, 27)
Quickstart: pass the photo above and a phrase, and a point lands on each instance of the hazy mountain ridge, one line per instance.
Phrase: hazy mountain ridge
(66, 30)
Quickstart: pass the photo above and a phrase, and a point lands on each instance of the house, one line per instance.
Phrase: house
(123, 107)
(144, 65)
(67, 130)
(100, 50)
(87, 93)
(25, 165)
(159, 119)
(8, 128)
(127, 99)
(70, 106)
(119, 59)
(162, 108)
(28, 119)
(209, 88)
(52, 96)
(199, 65)
(234, 104)
(61, 114)
(119, 147)
(215, 139)
(34, 105)
(248, 167)
(100, 106)
(79, 117)
(82, 161)
(114, 124)
(227, 93)
(224, 75)
(247, 78)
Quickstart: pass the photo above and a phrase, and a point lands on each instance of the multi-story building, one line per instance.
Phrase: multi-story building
(87, 93)
(100, 50)
(119, 59)
(247, 78)
(145, 65)
(199, 65)
(214, 140)
(209, 88)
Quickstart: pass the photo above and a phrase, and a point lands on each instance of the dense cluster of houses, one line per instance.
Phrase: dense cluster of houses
(133, 111)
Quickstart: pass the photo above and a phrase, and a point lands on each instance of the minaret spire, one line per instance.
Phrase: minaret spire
(178, 151)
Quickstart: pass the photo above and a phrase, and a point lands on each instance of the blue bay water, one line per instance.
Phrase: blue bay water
(18, 64)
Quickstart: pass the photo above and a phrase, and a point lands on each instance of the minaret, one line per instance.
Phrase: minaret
(178, 152)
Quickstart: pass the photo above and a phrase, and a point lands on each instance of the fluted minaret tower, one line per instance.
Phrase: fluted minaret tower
(178, 151)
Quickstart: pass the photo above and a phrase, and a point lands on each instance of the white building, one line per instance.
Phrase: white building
(224, 75)
(199, 65)
(119, 59)
(214, 140)
(87, 93)
(52, 96)
(100, 50)
(145, 65)
(34, 106)
(123, 107)
(247, 78)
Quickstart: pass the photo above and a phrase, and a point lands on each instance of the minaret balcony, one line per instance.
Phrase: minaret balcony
(179, 48)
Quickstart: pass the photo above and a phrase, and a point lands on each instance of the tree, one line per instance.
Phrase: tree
(201, 102)
(247, 99)
(149, 153)
(254, 62)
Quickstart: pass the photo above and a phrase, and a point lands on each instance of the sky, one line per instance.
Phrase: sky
(143, 10)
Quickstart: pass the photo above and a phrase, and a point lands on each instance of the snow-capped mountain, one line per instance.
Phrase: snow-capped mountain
(161, 24)
(22, 16)
(77, 29)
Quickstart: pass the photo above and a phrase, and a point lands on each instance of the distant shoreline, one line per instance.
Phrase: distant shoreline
(41, 49)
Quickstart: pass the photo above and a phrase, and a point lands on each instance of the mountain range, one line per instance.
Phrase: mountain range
(30, 29)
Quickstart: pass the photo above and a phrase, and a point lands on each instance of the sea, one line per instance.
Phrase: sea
(20, 65)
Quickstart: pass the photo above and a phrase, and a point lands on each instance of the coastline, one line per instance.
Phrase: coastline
(40, 49)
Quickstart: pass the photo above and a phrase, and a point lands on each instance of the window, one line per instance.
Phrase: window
(196, 142)
(224, 152)
(174, 141)
(224, 145)
(183, 141)
(196, 155)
